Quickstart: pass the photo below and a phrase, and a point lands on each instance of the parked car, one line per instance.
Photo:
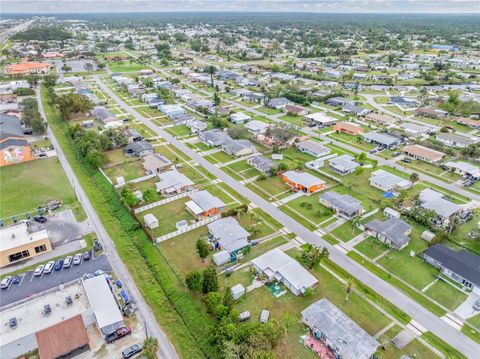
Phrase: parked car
(372, 151)
(131, 351)
(406, 160)
(67, 263)
(117, 334)
(40, 219)
(49, 267)
(97, 246)
(39, 270)
(244, 316)
(86, 255)
(77, 259)
(58, 264)
(16, 279)
(5, 283)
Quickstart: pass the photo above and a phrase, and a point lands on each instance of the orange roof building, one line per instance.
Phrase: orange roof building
(348, 128)
(14, 147)
(52, 55)
(27, 68)
(423, 153)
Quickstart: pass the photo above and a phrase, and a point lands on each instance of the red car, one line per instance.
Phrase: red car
(117, 334)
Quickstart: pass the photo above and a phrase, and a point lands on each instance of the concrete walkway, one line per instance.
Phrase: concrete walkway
(290, 198)
(334, 225)
(465, 310)
(358, 239)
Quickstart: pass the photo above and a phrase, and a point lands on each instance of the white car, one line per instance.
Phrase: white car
(67, 263)
(77, 259)
(48, 267)
(6, 282)
(39, 270)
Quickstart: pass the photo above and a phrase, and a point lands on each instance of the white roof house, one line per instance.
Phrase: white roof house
(105, 309)
(433, 200)
(150, 221)
(221, 257)
(255, 126)
(320, 119)
(464, 168)
(239, 118)
(387, 181)
(173, 182)
(276, 265)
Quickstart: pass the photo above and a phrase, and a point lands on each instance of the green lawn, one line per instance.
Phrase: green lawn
(371, 247)
(180, 130)
(219, 157)
(25, 186)
(271, 186)
(346, 231)
(129, 168)
(317, 213)
(125, 66)
(446, 294)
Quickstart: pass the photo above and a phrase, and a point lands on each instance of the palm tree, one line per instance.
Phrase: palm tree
(349, 286)
(211, 70)
(150, 347)
(414, 177)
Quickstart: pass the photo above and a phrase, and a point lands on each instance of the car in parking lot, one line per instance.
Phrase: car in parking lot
(16, 279)
(5, 283)
(48, 267)
(86, 255)
(131, 351)
(40, 219)
(77, 259)
(67, 263)
(97, 246)
(58, 264)
(39, 270)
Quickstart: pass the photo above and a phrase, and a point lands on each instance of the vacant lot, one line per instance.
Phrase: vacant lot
(25, 186)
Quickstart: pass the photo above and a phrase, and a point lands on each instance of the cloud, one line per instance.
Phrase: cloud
(339, 6)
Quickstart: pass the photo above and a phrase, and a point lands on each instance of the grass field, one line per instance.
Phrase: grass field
(25, 186)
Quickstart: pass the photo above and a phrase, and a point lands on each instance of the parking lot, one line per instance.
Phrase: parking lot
(31, 285)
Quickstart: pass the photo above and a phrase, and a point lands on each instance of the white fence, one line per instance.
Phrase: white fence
(163, 201)
(187, 228)
(136, 180)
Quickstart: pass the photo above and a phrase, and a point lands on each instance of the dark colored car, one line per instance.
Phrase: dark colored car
(131, 351)
(86, 255)
(58, 264)
(97, 246)
(40, 219)
(16, 279)
(117, 334)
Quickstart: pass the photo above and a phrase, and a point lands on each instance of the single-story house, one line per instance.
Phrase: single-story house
(381, 119)
(423, 153)
(320, 119)
(213, 137)
(257, 127)
(413, 129)
(381, 139)
(227, 234)
(303, 181)
(462, 266)
(470, 122)
(132, 135)
(196, 126)
(341, 335)
(204, 204)
(435, 201)
(393, 231)
(173, 182)
(275, 265)
(343, 204)
(239, 118)
(349, 128)
(431, 112)
(464, 168)
(171, 110)
(312, 148)
(138, 149)
(155, 163)
(264, 165)
(296, 110)
(238, 148)
(454, 140)
(387, 181)
(403, 101)
(339, 101)
(103, 115)
(343, 165)
(355, 110)
(279, 103)
(150, 221)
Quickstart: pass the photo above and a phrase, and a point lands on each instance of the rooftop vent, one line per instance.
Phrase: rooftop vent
(69, 300)
(12, 323)
(47, 310)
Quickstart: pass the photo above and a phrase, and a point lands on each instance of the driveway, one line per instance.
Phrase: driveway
(63, 227)
(31, 285)
(465, 310)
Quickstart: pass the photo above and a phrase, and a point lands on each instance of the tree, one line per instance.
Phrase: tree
(72, 104)
(414, 177)
(211, 70)
(194, 280)
(349, 286)
(216, 99)
(88, 66)
(150, 347)
(31, 117)
(238, 132)
(210, 280)
(312, 255)
(203, 248)
(228, 300)
(150, 195)
(128, 197)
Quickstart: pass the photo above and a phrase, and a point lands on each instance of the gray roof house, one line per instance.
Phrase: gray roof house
(393, 231)
(155, 163)
(103, 115)
(356, 110)
(454, 140)
(433, 200)
(381, 139)
(238, 148)
(463, 266)
(312, 148)
(342, 335)
(204, 204)
(173, 182)
(387, 181)
(339, 101)
(213, 137)
(261, 163)
(132, 135)
(138, 149)
(279, 102)
(255, 126)
(343, 164)
(343, 204)
(229, 235)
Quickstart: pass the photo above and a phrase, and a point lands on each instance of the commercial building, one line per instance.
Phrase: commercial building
(18, 243)
(342, 335)
(27, 68)
(275, 265)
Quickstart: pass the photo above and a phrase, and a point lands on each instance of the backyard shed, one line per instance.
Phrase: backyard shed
(150, 221)
(237, 291)
(221, 258)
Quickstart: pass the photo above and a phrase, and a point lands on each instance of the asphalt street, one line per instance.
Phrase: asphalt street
(421, 315)
(31, 285)
(144, 314)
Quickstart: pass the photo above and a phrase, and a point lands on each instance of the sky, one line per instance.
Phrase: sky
(319, 6)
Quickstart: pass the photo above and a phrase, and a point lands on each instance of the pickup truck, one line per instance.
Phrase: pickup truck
(117, 334)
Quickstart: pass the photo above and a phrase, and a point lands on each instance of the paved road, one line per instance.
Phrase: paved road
(166, 349)
(421, 315)
(10, 32)
(31, 285)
